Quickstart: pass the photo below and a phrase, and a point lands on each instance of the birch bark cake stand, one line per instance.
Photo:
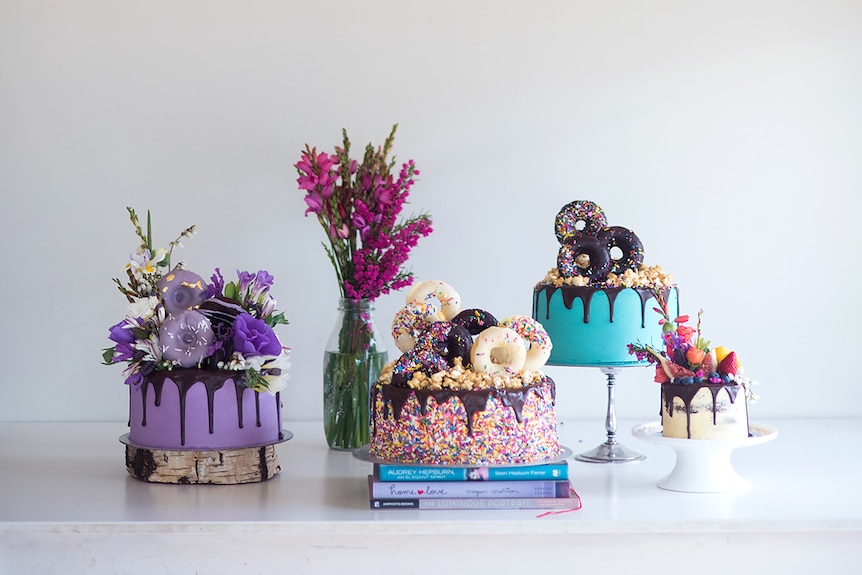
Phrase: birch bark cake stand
(203, 466)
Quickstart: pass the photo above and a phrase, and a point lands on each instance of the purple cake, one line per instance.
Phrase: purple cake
(204, 365)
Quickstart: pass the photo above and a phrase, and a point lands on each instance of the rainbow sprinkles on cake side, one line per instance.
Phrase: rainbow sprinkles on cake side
(703, 392)
(203, 364)
(598, 297)
(467, 389)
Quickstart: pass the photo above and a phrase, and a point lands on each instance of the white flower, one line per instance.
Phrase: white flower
(282, 363)
(143, 307)
(143, 262)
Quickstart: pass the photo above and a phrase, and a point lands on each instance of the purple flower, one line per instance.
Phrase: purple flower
(360, 224)
(314, 203)
(123, 351)
(217, 285)
(245, 280)
(264, 280)
(119, 334)
(253, 337)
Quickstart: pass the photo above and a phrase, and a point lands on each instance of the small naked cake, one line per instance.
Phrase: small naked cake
(467, 389)
(204, 368)
(703, 393)
(597, 298)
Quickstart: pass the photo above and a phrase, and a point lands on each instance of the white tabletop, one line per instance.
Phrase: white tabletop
(65, 496)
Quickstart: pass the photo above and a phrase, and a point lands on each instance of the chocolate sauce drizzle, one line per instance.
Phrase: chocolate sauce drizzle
(212, 380)
(395, 397)
(687, 392)
(585, 293)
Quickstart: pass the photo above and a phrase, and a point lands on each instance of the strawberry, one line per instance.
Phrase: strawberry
(729, 365)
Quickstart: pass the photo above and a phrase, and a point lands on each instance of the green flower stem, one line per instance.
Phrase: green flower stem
(352, 363)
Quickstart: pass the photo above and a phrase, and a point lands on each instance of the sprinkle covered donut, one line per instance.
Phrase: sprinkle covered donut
(628, 243)
(535, 335)
(569, 218)
(450, 301)
(186, 338)
(436, 349)
(584, 256)
(498, 350)
(475, 320)
(409, 322)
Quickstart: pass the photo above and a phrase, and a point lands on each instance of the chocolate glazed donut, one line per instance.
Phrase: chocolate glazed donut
(475, 320)
(628, 243)
(574, 213)
(435, 350)
(597, 251)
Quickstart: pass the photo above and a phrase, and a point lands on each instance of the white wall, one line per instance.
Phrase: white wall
(728, 134)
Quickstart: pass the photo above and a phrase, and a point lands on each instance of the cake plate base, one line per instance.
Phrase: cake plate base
(610, 453)
(703, 465)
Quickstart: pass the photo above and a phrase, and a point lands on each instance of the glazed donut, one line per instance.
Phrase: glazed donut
(535, 335)
(628, 243)
(597, 253)
(574, 213)
(498, 350)
(409, 322)
(186, 338)
(450, 301)
(475, 320)
(182, 290)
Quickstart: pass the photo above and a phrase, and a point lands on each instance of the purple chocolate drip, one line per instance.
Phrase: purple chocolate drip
(184, 380)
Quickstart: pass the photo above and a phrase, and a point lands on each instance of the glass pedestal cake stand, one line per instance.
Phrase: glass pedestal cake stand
(611, 451)
(703, 465)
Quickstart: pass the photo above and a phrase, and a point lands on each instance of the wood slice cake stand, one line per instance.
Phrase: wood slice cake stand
(210, 466)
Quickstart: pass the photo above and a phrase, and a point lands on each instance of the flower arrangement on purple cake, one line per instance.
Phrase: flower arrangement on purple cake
(358, 205)
(176, 320)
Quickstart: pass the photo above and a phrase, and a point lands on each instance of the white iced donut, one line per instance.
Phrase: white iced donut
(535, 335)
(409, 322)
(450, 301)
(498, 350)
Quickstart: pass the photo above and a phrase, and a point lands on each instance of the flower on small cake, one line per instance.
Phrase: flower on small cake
(177, 320)
(687, 357)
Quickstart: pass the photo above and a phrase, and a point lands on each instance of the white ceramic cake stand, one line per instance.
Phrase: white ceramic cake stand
(703, 465)
(611, 451)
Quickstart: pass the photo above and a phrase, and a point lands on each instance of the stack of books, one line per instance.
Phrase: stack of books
(542, 486)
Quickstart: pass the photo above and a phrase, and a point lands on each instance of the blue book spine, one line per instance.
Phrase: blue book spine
(547, 471)
(466, 489)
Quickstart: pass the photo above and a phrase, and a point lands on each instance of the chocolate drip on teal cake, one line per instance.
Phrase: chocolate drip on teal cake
(395, 397)
(687, 392)
(212, 381)
(585, 294)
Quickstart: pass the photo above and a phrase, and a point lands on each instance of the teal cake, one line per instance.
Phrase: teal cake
(600, 297)
(592, 326)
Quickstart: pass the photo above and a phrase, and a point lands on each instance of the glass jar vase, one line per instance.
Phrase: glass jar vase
(352, 362)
